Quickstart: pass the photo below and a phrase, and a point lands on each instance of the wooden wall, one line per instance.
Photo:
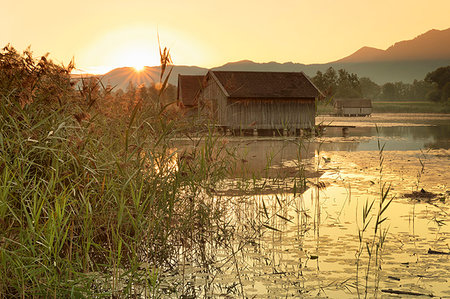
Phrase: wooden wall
(354, 111)
(213, 102)
(255, 113)
(271, 114)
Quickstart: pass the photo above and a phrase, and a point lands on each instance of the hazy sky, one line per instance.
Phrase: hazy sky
(102, 35)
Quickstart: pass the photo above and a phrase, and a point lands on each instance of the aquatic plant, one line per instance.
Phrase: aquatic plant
(373, 246)
(89, 204)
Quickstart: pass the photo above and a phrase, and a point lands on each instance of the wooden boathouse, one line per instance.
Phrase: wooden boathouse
(238, 100)
(188, 88)
(352, 107)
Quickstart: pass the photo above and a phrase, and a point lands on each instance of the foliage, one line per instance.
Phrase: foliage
(441, 79)
(348, 85)
(440, 76)
(326, 82)
(446, 93)
(389, 91)
(25, 79)
(369, 89)
(404, 91)
(342, 84)
(93, 199)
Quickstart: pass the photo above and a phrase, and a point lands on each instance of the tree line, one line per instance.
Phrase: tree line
(342, 84)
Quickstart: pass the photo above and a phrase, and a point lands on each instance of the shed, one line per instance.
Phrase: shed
(353, 107)
(188, 87)
(259, 100)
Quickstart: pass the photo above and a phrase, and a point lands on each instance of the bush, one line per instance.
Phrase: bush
(434, 95)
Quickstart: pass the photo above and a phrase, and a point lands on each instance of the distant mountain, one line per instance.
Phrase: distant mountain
(248, 65)
(432, 45)
(365, 54)
(119, 78)
(404, 61)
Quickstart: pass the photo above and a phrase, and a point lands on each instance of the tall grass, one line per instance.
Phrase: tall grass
(373, 245)
(89, 203)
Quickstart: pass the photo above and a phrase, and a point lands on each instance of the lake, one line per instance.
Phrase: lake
(309, 228)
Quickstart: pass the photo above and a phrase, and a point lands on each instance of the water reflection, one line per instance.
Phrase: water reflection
(396, 138)
(400, 131)
(305, 244)
(262, 157)
(281, 157)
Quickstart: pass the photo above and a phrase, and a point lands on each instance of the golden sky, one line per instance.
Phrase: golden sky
(102, 35)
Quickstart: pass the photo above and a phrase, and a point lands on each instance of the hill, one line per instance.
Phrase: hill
(432, 45)
(119, 78)
(404, 61)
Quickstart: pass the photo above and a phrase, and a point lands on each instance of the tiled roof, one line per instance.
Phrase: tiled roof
(188, 86)
(266, 84)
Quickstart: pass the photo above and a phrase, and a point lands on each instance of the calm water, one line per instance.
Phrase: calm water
(398, 131)
(308, 245)
(396, 138)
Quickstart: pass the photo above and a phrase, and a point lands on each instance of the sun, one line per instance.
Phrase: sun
(136, 58)
(139, 67)
(135, 55)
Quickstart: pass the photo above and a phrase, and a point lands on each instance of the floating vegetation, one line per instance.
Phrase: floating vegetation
(426, 196)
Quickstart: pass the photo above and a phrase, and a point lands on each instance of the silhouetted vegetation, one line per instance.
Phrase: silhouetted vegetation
(341, 84)
(440, 78)
(338, 84)
(90, 204)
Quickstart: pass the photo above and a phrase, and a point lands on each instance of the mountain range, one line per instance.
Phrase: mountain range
(404, 61)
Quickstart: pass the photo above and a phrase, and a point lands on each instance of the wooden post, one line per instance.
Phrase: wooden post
(344, 131)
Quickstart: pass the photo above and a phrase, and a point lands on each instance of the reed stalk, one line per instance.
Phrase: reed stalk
(92, 203)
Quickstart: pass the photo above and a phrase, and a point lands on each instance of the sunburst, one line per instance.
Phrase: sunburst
(139, 67)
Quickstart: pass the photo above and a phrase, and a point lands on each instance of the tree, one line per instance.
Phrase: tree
(369, 89)
(434, 95)
(330, 80)
(445, 97)
(319, 81)
(420, 89)
(388, 91)
(440, 78)
(348, 85)
(403, 90)
(340, 84)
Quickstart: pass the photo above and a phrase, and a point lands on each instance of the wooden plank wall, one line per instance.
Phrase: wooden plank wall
(255, 113)
(356, 111)
(271, 114)
(213, 102)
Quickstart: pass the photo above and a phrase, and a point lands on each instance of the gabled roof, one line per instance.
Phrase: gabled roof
(353, 103)
(265, 84)
(188, 86)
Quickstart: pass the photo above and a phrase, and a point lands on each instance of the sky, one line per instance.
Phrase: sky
(102, 35)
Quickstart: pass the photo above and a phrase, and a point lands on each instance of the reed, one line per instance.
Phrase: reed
(90, 204)
(374, 244)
